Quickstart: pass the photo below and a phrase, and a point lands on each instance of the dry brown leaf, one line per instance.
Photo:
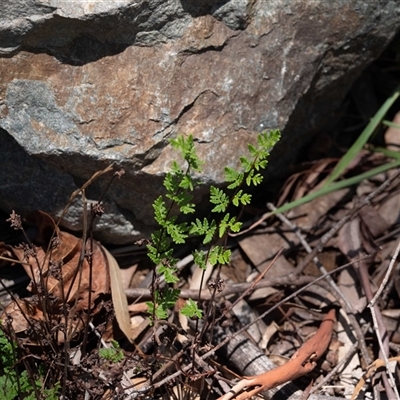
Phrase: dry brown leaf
(392, 313)
(390, 209)
(261, 248)
(349, 238)
(18, 309)
(118, 296)
(348, 284)
(56, 267)
(373, 220)
(75, 280)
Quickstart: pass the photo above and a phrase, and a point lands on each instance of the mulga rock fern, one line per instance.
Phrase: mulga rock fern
(180, 184)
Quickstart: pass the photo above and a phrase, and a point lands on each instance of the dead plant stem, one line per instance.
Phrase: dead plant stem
(386, 278)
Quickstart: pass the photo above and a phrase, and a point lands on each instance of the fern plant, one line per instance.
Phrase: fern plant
(179, 184)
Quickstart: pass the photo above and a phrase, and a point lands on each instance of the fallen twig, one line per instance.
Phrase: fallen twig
(194, 294)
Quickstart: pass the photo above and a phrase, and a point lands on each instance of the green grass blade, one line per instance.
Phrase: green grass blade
(391, 124)
(363, 138)
(337, 186)
(386, 152)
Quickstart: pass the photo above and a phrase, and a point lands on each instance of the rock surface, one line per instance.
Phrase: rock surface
(87, 83)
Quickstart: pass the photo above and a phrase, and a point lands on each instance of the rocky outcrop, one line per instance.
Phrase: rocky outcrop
(87, 83)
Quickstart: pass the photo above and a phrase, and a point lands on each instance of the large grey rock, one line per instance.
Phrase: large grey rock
(86, 83)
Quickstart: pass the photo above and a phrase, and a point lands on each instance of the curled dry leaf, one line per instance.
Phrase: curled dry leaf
(301, 363)
(60, 274)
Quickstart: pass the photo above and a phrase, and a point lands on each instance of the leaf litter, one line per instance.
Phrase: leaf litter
(268, 303)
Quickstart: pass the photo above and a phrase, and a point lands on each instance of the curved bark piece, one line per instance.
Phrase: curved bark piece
(301, 363)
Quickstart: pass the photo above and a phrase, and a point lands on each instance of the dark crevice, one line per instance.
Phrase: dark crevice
(77, 42)
(202, 7)
(189, 106)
